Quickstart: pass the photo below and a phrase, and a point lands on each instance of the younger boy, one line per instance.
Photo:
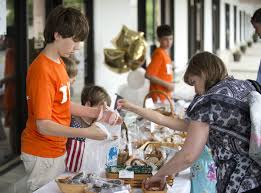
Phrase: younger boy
(159, 72)
(92, 96)
(72, 70)
(43, 141)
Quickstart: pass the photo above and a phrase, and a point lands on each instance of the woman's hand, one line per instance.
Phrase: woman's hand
(155, 181)
(124, 104)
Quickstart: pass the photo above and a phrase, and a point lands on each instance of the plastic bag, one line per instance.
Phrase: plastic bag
(98, 154)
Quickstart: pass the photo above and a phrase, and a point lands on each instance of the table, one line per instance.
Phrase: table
(181, 184)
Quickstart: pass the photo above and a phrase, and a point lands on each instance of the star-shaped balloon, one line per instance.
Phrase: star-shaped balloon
(129, 53)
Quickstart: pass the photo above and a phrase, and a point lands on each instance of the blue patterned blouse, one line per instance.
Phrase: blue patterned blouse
(225, 108)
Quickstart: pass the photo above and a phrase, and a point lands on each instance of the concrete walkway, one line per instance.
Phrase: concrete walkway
(246, 68)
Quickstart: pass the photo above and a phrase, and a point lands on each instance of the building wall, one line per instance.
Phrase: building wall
(248, 8)
(226, 54)
(181, 33)
(208, 39)
(109, 18)
(111, 15)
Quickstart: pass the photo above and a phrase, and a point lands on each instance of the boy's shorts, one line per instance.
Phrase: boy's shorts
(41, 170)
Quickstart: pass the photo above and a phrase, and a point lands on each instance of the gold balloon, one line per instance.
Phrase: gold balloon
(136, 53)
(130, 52)
(115, 59)
(126, 38)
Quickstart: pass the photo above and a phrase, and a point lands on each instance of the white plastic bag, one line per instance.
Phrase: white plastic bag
(98, 154)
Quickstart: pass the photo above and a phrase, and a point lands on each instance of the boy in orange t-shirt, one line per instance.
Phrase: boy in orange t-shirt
(159, 72)
(43, 141)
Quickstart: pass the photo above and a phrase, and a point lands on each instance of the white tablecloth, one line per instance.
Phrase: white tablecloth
(181, 184)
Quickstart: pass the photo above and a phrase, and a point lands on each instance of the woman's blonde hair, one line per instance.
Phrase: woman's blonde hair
(208, 66)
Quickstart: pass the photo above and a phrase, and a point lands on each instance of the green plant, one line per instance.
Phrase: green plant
(249, 43)
(255, 37)
(243, 48)
(237, 55)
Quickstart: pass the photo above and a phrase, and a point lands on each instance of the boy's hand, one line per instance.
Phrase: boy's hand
(96, 133)
(108, 116)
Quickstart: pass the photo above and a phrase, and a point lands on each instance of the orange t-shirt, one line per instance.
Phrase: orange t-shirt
(48, 98)
(160, 67)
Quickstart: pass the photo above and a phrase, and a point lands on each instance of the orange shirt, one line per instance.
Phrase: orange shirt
(48, 98)
(160, 67)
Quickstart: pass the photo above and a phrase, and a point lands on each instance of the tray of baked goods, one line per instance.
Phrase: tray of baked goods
(146, 160)
(90, 183)
(138, 131)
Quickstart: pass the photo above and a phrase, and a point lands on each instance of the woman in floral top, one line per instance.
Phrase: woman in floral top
(219, 117)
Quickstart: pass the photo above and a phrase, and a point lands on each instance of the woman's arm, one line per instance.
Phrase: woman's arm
(191, 150)
(156, 117)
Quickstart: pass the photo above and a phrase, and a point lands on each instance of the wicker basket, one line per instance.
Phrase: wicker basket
(135, 182)
(154, 154)
(69, 188)
(160, 144)
(161, 109)
(165, 190)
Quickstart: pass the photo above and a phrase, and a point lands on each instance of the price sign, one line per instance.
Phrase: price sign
(126, 174)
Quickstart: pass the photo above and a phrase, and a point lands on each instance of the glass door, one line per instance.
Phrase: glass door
(227, 15)
(11, 81)
(196, 26)
(215, 25)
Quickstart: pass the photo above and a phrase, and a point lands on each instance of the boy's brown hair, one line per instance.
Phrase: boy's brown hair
(164, 30)
(71, 66)
(207, 65)
(68, 22)
(95, 95)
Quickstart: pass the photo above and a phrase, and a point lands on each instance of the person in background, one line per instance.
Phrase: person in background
(8, 103)
(217, 116)
(43, 141)
(160, 70)
(9, 76)
(91, 96)
(256, 22)
(71, 66)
